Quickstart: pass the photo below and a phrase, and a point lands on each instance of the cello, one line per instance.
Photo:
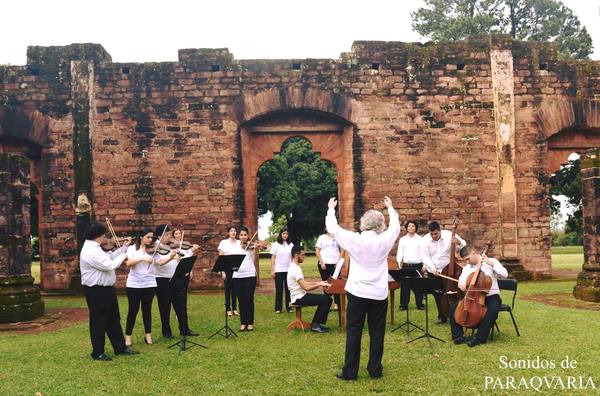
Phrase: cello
(452, 293)
(471, 309)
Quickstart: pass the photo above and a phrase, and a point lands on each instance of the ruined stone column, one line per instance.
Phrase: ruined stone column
(20, 299)
(588, 280)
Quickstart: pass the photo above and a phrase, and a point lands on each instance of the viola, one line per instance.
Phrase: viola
(471, 309)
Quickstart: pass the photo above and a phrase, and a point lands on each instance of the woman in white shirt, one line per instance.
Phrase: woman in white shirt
(281, 258)
(328, 253)
(244, 282)
(409, 257)
(141, 283)
(227, 247)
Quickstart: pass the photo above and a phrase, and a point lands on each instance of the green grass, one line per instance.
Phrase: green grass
(35, 271)
(567, 250)
(567, 257)
(268, 361)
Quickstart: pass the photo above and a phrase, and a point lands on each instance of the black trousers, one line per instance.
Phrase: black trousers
(438, 299)
(405, 290)
(280, 286)
(375, 313)
(483, 331)
(322, 302)
(135, 297)
(104, 318)
(172, 292)
(325, 274)
(244, 289)
(230, 297)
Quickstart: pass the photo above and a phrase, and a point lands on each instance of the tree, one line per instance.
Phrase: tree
(538, 20)
(567, 182)
(297, 184)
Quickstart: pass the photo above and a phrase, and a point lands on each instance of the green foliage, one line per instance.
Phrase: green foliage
(279, 224)
(567, 182)
(538, 20)
(297, 184)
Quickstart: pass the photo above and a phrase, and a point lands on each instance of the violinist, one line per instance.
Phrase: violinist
(172, 290)
(435, 253)
(489, 267)
(141, 284)
(98, 279)
(244, 281)
(227, 247)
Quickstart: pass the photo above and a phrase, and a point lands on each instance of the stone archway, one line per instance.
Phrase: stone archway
(269, 118)
(23, 133)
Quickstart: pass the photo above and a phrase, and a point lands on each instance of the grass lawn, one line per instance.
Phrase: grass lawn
(268, 361)
(567, 257)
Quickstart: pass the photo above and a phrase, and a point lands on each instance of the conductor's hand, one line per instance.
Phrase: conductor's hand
(332, 203)
(387, 202)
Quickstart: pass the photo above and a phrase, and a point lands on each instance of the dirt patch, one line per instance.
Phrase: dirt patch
(565, 273)
(53, 319)
(563, 300)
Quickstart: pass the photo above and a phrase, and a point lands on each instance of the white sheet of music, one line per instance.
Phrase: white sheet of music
(338, 268)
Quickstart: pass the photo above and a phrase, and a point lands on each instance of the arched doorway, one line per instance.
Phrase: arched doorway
(329, 135)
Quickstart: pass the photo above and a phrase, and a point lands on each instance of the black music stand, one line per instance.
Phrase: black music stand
(425, 286)
(228, 263)
(184, 267)
(401, 275)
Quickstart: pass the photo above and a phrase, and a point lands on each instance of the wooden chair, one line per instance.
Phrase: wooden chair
(297, 323)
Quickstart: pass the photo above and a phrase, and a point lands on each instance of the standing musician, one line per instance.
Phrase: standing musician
(281, 258)
(227, 247)
(244, 281)
(141, 283)
(172, 290)
(435, 253)
(492, 268)
(328, 253)
(367, 284)
(409, 257)
(98, 279)
(299, 288)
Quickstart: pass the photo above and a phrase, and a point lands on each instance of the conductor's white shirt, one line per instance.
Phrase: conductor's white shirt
(97, 266)
(368, 251)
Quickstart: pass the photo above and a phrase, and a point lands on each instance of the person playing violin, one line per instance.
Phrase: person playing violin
(244, 281)
(172, 290)
(492, 268)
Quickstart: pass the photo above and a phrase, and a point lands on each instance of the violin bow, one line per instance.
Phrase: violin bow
(158, 244)
(112, 233)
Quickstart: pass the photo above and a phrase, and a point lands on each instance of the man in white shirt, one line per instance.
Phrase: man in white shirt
(299, 288)
(435, 253)
(409, 257)
(98, 278)
(489, 267)
(367, 284)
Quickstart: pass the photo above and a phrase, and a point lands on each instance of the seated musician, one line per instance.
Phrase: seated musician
(299, 288)
(492, 268)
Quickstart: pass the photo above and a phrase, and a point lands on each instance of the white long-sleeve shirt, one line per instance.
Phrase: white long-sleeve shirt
(368, 251)
(97, 266)
(497, 270)
(436, 254)
(409, 249)
(167, 270)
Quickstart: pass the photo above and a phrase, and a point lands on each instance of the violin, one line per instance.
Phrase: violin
(471, 309)
(111, 244)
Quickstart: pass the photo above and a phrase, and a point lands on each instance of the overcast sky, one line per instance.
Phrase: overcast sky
(142, 31)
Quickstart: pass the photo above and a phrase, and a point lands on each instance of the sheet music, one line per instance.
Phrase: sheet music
(338, 268)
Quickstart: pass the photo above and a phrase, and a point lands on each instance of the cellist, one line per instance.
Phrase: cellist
(489, 267)
(435, 253)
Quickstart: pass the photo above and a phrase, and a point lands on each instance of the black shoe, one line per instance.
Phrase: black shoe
(441, 321)
(459, 340)
(376, 376)
(190, 333)
(168, 336)
(403, 308)
(474, 342)
(341, 376)
(421, 307)
(128, 352)
(319, 329)
(102, 357)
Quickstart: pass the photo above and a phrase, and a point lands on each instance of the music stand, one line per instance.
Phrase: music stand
(228, 263)
(184, 267)
(401, 275)
(425, 286)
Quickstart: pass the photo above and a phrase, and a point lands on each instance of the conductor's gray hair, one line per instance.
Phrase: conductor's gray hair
(372, 220)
